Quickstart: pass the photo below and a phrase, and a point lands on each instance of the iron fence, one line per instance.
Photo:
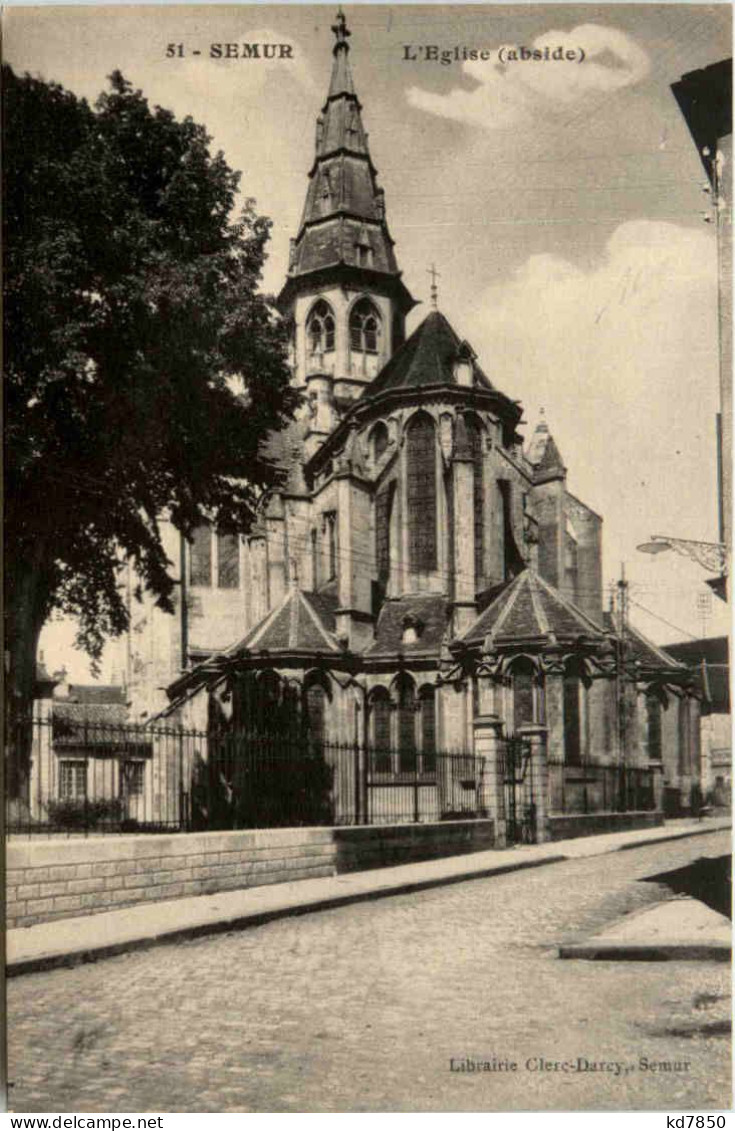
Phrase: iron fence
(591, 787)
(91, 778)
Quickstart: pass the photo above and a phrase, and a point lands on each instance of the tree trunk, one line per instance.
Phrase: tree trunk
(24, 618)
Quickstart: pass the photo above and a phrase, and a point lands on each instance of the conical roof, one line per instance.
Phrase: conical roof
(544, 455)
(528, 608)
(427, 358)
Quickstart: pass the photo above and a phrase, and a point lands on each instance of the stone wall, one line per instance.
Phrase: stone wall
(54, 878)
(587, 824)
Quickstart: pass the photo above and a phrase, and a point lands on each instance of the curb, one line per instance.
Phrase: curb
(256, 919)
(242, 921)
(673, 836)
(692, 952)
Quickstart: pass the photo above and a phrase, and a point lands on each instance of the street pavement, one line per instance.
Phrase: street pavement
(385, 1005)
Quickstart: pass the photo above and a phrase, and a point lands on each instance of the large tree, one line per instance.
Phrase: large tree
(143, 368)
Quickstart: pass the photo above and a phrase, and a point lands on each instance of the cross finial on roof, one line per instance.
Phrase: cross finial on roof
(340, 29)
(434, 289)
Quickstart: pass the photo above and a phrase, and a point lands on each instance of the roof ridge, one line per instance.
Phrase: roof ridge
(257, 630)
(567, 604)
(328, 636)
(517, 581)
(538, 609)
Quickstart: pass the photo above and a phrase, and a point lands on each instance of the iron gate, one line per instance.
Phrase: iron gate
(520, 809)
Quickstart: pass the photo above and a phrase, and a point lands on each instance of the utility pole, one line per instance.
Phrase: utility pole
(622, 607)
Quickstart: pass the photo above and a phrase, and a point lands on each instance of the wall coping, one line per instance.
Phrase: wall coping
(45, 851)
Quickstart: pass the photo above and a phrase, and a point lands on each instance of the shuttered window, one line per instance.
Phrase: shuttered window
(421, 495)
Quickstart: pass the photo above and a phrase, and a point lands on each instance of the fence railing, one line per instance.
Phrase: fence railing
(589, 787)
(94, 778)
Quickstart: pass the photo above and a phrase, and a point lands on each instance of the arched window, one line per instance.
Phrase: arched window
(523, 679)
(406, 726)
(315, 709)
(228, 561)
(364, 327)
(379, 440)
(320, 328)
(427, 706)
(475, 437)
(421, 494)
(653, 727)
(380, 730)
(200, 572)
(330, 532)
(267, 702)
(383, 510)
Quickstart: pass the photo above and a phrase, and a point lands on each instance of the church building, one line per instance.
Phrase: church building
(422, 580)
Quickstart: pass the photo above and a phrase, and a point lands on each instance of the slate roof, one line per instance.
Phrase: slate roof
(529, 608)
(640, 648)
(432, 610)
(426, 359)
(298, 624)
(344, 205)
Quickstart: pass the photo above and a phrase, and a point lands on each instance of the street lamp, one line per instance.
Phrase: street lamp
(712, 556)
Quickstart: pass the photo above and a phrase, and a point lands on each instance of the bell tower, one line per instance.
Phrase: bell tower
(343, 295)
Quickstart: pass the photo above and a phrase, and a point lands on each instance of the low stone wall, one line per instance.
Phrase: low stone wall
(587, 824)
(54, 878)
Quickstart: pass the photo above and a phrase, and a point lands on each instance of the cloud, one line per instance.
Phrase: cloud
(509, 94)
(623, 357)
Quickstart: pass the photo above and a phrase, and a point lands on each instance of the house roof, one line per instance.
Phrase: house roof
(298, 624)
(426, 359)
(97, 693)
(710, 659)
(529, 608)
(91, 725)
(429, 614)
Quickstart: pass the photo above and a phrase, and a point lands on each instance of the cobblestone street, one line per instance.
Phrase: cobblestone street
(361, 1008)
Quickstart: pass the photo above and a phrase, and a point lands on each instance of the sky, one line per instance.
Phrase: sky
(561, 202)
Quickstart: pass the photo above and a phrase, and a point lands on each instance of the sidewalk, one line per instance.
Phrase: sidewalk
(68, 942)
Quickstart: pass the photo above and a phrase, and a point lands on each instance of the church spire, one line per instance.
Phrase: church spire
(343, 225)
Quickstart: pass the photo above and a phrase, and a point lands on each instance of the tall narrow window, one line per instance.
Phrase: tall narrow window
(523, 705)
(427, 701)
(421, 494)
(379, 440)
(315, 703)
(406, 726)
(364, 327)
(201, 556)
(228, 561)
(383, 509)
(653, 712)
(320, 329)
(380, 730)
(683, 729)
(330, 530)
(572, 738)
(314, 539)
(475, 436)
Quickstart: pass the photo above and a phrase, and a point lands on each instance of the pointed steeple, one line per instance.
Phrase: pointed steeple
(544, 455)
(343, 225)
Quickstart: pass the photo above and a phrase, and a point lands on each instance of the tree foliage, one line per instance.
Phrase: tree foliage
(142, 367)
